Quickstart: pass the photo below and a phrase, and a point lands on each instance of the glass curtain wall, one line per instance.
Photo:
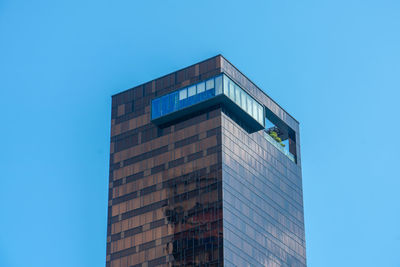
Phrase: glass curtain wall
(186, 97)
(205, 90)
(243, 100)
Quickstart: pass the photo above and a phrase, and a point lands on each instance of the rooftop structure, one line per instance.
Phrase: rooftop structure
(205, 170)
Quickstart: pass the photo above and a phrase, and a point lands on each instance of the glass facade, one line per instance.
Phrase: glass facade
(186, 97)
(262, 202)
(243, 100)
(201, 190)
(208, 89)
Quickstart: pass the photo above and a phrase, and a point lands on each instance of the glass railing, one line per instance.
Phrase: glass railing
(279, 147)
(208, 89)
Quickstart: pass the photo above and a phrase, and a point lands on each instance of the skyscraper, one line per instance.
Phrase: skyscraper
(205, 170)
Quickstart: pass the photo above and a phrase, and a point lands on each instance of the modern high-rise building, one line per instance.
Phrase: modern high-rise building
(205, 170)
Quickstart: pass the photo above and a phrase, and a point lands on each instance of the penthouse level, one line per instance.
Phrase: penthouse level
(205, 170)
(235, 98)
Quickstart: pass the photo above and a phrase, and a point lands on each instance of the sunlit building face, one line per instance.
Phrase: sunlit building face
(205, 170)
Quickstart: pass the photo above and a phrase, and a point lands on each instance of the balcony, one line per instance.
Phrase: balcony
(279, 146)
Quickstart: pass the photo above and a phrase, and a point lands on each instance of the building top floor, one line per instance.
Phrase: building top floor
(201, 71)
(182, 89)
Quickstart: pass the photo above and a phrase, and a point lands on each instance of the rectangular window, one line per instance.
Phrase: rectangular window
(155, 109)
(226, 88)
(201, 87)
(243, 100)
(210, 84)
(191, 90)
(174, 101)
(254, 109)
(170, 103)
(164, 105)
(249, 106)
(182, 94)
(237, 95)
(218, 85)
(232, 90)
(260, 114)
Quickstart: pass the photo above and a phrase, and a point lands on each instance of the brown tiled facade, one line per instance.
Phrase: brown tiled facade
(165, 198)
(166, 189)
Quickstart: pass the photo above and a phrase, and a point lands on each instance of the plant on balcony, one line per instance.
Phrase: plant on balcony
(274, 135)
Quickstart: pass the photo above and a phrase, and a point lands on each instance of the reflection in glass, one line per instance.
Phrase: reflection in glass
(237, 95)
(218, 85)
(210, 84)
(205, 90)
(182, 94)
(191, 91)
(201, 87)
(231, 90)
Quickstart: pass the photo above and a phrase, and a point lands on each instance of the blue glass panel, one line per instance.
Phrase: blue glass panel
(231, 90)
(249, 106)
(169, 105)
(183, 103)
(202, 91)
(183, 94)
(210, 84)
(191, 91)
(254, 112)
(155, 109)
(195, 98)
(260, 114)
(164, 105)
(242, 98)
(174, 101)
(218, 85)
(190, 101)
(226, 88)
(237, 95)
(201, 87)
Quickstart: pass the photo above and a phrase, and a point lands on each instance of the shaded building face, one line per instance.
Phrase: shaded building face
(204, 171)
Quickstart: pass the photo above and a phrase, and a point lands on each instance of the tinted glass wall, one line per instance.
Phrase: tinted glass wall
(165, 197)
(262, 204)
(186, 97)
(202, 190)
(241, 98)
(198, 93)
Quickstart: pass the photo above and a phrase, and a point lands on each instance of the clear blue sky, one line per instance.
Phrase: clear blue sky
(334, 65)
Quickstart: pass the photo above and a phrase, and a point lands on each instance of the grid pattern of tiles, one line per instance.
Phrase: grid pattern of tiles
(202, 191)
(165, 190)
(262, 202)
